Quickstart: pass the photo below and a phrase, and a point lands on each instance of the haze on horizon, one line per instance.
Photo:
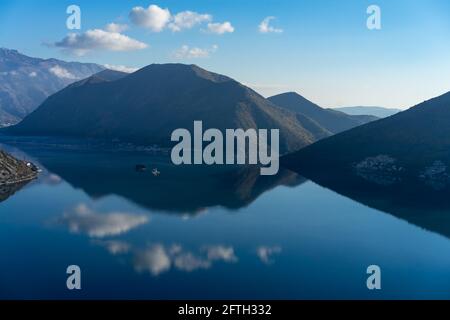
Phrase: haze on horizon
(322, 49)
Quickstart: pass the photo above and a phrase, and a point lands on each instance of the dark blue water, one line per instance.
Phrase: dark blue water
(202, 233)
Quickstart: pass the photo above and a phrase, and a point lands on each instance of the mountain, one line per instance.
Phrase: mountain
(411, 146)
(146, 106)
(25, 82)
(102, 76)
(331, 120)
(379, 112)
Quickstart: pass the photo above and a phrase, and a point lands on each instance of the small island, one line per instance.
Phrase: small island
(14, 171)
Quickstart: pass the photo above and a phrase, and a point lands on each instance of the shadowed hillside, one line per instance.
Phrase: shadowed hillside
(413, 144)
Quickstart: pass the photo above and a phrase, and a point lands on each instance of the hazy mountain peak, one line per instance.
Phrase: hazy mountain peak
(5, 51)
(379, 112)
(110, 75)
(295, 102)
(25, 82)
(215, 77)
(291, 94)
(294, 96)
(331, 120)
(106, 75)
(180, 70)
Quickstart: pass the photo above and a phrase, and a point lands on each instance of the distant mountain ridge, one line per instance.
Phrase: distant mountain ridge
(330, 120)
(147, 105)
(25, 82)
(379, 112)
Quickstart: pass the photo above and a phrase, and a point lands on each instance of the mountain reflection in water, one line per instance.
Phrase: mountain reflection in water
(288, 239)
(8, 190)
(178, 189)
(411, 200)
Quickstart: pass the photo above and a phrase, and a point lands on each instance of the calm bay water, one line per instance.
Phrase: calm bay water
(202, 233)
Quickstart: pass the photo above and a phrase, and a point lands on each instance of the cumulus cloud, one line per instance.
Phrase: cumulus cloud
(62, 73)
(53, 179)
(32, 74)
(120, 68)
(114, 246)
(98, 225)
(265, 253)
(97, 39)
(187, 20)
(186, 52)
(158, 258)
(220, 28)
(153, 18)
(154, 260)
(157, 19)
(11, 73)
(265, 27)
(188, 262)
(116, 27)
(220, 253)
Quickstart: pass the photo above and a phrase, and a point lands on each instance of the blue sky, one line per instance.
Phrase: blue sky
(324, 52)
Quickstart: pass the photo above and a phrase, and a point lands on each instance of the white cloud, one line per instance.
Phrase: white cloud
(188, 262)
(62, 73)
(157, 19)
(153, 18)
(98, 39)
(187, 20)
(32, 74)
(114, 246)
(158, 259)
(116, 27)
(11, 73)
(220, 253)
(220, 28)
(265, 253)
(186, 52)
(265, 27)
(154, 260)
(120, 68)
(84, 220)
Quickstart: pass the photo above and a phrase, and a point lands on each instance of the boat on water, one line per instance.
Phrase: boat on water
(141, 168)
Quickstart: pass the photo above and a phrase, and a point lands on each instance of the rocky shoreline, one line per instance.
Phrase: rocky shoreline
(15, 171)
